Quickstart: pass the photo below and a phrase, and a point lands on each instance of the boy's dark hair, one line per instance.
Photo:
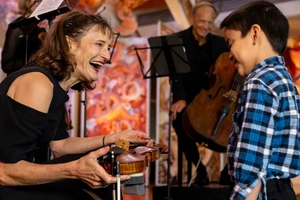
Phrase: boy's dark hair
(271, 20)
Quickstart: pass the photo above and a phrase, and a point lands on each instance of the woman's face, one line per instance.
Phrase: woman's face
(90, 53)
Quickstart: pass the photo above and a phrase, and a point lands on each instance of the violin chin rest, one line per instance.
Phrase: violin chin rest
(136, 174)
(137, 178)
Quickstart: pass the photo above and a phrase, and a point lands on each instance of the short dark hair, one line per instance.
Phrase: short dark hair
(271, 20)
(55, 53)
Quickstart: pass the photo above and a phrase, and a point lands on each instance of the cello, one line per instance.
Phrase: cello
(207, 119)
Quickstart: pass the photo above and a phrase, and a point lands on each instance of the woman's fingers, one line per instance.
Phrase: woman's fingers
(100, 152)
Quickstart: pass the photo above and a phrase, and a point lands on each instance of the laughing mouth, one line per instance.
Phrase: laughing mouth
(96, 65)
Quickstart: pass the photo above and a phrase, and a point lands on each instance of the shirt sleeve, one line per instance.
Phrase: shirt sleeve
(254, 141)
(178, 91)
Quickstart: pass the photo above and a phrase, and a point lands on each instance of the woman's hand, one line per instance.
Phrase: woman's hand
(132, 136)
(150, 143)
(91, 172)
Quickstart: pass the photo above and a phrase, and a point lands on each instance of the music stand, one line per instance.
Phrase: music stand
(44, 12)
(27, 24)
(169, 59)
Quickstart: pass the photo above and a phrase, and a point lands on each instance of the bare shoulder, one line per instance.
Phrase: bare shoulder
(34, 90)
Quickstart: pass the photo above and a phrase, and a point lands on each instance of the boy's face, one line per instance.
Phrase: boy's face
(242, 51)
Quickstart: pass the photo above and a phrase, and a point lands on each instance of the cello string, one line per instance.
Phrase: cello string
(236, 86)
(233, 88)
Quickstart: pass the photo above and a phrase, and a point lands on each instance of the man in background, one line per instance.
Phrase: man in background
(202, 50)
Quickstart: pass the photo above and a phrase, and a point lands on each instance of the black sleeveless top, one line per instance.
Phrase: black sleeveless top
(23, 130)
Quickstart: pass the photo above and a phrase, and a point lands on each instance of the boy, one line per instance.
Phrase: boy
(263, 149)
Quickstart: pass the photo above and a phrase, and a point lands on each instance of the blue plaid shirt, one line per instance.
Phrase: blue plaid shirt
(264, 141)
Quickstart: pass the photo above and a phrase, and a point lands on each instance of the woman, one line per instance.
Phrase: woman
(32, 115)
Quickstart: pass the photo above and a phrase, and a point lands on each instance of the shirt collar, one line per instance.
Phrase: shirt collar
(271, 61)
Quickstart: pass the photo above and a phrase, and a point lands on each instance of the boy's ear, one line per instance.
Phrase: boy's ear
(255, 33)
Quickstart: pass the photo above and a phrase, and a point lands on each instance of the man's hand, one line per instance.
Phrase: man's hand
(177, 108)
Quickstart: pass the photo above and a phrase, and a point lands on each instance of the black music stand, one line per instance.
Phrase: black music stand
(169, 59)
(27, 24)
(66, 6)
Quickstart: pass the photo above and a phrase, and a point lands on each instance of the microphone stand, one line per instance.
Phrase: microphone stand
(84, 102)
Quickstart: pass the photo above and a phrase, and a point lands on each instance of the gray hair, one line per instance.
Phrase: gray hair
(204, 3)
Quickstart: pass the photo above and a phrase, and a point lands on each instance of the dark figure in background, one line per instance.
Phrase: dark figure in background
(32, 116)
(202, 50)
(264, 145)
(21, 42)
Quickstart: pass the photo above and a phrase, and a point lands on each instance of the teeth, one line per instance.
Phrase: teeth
(97, 63)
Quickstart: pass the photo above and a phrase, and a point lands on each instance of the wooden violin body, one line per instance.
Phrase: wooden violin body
(151, 153)
(132, 160)
(129, 164)
(207, 119)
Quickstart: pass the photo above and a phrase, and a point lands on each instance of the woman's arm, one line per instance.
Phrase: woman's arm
(86, 169)
(26, 173)
(74, 145)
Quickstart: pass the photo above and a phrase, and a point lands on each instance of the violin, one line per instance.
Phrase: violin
(133, 158)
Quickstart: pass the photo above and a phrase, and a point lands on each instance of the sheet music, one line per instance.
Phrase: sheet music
(46, 6)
